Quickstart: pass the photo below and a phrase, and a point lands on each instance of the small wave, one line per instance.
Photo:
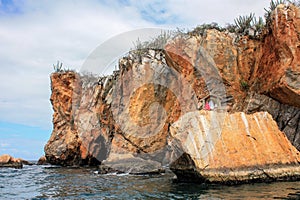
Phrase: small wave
(113, 174)
(65, 183)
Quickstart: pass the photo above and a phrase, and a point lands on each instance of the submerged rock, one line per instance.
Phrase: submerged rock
(122, 163)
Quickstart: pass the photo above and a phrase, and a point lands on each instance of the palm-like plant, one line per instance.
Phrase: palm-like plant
(242, 23)
(259, 24)
(58, 67)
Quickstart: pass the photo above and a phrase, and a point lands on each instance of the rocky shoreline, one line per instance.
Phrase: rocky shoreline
(11, 162)
(214, 106)
(7, 161)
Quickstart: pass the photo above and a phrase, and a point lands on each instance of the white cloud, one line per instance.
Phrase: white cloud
(31, 42)
(42, 32)
(222, 12)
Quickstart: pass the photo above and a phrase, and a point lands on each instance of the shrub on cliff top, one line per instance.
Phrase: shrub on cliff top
(242, 26)
(249, 25)
(155, 43)
(199, 30)
(244, 22)
(259, 24)
(158, 43)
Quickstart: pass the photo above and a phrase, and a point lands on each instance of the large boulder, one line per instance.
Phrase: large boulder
(240, 148)
(287, 117)
(42, 161)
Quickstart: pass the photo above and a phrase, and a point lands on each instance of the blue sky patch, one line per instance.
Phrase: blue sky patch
(157, 13)
(22, 141)
(10, 7)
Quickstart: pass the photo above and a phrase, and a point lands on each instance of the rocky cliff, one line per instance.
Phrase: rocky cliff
(153, 112)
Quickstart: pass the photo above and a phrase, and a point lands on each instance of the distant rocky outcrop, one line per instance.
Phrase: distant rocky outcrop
(43, 161)
(153, 111)
(9, 161)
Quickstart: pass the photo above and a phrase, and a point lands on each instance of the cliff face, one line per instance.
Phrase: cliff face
(277, 73)
(63, 143)
(150, 113)
(82, 120)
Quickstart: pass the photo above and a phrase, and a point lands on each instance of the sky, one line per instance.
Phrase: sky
(34, 35)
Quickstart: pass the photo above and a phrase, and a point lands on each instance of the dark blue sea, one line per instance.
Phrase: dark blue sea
(50, 182)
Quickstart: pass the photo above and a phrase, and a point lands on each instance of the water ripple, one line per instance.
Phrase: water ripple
(40, 182)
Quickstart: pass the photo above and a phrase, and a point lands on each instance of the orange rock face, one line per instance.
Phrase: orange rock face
(238, 145)
(147, 113)
(5, 158)
(80, 120)
(278, 70)
(63, 144)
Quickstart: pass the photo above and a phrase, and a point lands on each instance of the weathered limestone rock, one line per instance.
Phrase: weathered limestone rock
(245, 148)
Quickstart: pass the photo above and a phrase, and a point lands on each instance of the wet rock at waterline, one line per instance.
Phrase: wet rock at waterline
(121, 163)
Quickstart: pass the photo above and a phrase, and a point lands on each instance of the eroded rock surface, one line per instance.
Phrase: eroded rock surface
(150, 113)
(244, 148)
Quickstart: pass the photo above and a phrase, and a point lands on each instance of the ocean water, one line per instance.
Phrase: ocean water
(49, 182)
